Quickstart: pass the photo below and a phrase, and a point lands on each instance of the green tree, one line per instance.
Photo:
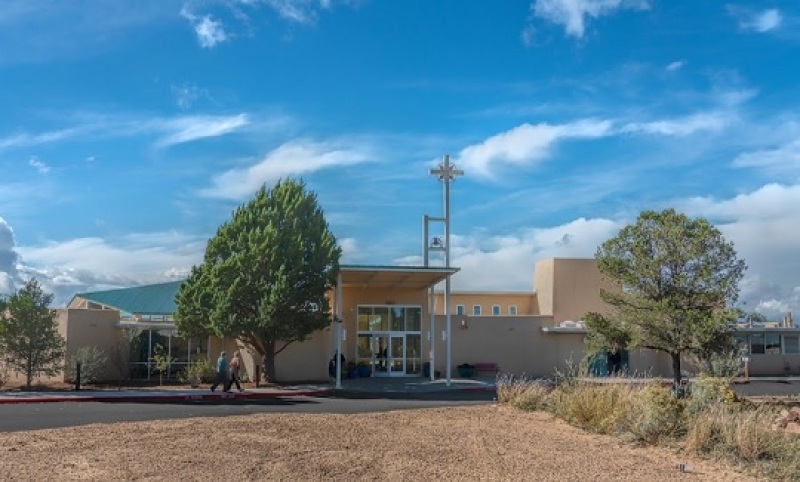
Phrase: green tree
(266, 274)
(29, 333)
(679, 279)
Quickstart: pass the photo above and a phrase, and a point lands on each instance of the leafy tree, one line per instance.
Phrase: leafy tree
(29, 333)
(266, 274)
(679, 279)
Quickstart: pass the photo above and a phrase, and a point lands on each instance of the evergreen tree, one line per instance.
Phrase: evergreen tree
(266, 274)
(679, 280)
(29, 335)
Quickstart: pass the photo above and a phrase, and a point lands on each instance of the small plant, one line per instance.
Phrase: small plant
(161, 362)
(572, 373)
(93, 362)
(198, 372)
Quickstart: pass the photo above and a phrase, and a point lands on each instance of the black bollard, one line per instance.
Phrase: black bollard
(77, 376)
(258, 375)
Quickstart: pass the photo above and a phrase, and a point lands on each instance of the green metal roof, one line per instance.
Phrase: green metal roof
(158, 299)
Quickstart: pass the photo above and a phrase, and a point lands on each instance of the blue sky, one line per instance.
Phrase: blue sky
(131, 129)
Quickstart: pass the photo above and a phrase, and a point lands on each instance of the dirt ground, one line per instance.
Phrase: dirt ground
(464, 443)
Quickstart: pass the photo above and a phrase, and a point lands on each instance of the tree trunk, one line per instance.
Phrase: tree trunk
(269, 360)
(676, 368)
(29, 375)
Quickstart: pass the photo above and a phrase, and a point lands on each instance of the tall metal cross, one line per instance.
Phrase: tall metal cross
(446, 173)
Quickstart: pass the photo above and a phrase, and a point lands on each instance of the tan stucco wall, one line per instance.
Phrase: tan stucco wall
(576, 289)
(525, 302)
(82, 328)
(543, 285)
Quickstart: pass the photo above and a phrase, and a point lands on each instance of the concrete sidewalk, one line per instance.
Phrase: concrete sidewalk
(374, 386)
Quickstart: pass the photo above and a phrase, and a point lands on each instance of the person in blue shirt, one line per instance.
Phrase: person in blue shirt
(222, 372)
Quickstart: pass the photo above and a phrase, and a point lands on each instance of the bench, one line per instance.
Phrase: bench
(487, 368)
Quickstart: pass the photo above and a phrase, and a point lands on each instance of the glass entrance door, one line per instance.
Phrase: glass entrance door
(389, 354)
(389, 340)
(397, 357)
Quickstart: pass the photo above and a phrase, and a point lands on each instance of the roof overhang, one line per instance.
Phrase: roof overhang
(393, 277)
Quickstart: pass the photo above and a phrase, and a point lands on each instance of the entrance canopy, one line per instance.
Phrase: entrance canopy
(393, 277)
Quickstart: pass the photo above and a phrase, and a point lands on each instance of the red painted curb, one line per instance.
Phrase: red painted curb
(166, 398)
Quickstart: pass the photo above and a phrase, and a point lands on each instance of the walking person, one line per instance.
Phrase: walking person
(222, 372)
(236, 366)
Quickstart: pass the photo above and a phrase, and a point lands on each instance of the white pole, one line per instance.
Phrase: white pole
(447, 172)
(432, 309)
(447, 260)
(338, 322)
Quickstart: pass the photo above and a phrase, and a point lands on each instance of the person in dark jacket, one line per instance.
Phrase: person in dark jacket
(332, 366)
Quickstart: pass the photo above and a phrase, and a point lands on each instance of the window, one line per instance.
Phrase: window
(459, 309)
(773, 344)
(476, 310)
(757, 344)
(791, 344)
(512, 310)
(496, 310)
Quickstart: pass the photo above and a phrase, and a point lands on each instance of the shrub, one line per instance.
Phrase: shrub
(200, 371)
(708, 392)
(93, 362)
(598, 408)
(522, 393)
(742, 435)
(656, 414)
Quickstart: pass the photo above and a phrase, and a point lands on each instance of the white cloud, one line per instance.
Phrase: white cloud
(764, 226)
(299, 11)
(186, 95)
(506, 262)
(675, 66)
(37, 164)
(9, 274)
(772, 201)
(169, 130)
(763, 21)
(783, 159)
(209, 32)
(25, 139)
(190, 128)
(684, 126)
(525, 144)
(527, 35)
(86, 264)
(292, 158)
(572, 14)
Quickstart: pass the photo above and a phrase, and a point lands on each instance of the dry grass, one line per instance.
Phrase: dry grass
(712, 423)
